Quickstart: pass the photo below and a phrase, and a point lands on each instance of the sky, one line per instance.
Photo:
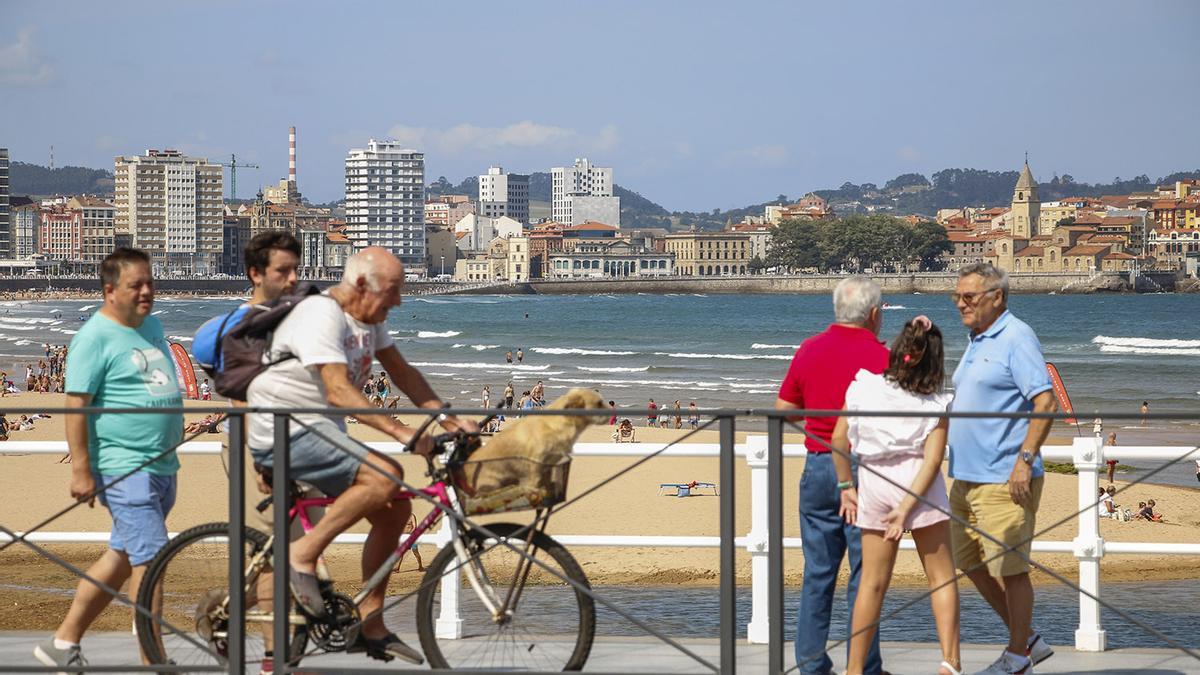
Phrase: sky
(696, 105)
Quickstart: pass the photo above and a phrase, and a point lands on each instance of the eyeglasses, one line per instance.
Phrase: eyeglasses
(971, 298)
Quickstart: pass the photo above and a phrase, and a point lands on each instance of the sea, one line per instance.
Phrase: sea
(721, 351)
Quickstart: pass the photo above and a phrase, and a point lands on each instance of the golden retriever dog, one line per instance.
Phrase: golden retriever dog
(545, 439)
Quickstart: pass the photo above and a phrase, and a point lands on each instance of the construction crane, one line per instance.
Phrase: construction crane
(233, 165)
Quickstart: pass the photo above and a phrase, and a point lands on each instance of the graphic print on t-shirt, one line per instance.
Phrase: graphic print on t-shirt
(152, 365)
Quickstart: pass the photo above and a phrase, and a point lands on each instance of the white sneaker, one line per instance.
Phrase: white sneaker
(1038, 650)
(1009, 664)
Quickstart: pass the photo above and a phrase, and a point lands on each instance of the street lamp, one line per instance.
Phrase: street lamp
(443, 265)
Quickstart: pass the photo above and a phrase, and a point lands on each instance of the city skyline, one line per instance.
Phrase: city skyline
(720, 107)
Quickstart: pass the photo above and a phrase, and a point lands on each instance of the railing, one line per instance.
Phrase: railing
(764, 542)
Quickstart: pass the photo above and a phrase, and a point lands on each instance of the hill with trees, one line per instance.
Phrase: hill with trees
(39, 181)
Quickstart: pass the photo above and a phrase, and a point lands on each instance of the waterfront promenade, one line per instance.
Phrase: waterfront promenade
(632, 655)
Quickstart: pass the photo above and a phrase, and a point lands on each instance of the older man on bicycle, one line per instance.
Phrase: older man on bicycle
(334, 338)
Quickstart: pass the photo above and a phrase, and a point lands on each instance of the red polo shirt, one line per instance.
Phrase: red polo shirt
(822, 370)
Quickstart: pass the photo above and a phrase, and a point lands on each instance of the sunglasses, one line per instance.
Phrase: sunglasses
(971, 298)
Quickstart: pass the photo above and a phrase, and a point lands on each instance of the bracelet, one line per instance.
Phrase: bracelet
(845, 485)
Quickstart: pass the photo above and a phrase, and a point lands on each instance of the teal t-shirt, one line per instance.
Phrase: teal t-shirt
(124, 367)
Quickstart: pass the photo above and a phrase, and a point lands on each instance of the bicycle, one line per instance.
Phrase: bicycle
(553, 629)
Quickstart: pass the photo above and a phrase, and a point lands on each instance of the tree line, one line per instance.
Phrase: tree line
(857, 243)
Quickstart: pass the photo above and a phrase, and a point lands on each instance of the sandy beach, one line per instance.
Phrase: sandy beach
(36, 592)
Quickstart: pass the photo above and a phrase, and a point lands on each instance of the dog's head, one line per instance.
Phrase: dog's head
(580, 398)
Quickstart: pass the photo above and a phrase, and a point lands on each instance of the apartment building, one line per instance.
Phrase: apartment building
(504, 194)
(385, 200)
(97, 231)
(447, 210)
(26, 216)
(582, 193)
(6, 218)
(172, 205)
(60, 231)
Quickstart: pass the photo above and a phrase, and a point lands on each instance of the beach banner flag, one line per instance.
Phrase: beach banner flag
(1060, 390)
(184, 371)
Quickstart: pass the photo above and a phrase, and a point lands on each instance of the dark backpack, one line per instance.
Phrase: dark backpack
(245, 346)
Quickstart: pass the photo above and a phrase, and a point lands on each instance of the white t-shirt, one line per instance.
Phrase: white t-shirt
(316, 332)
(878, 437)
(1104, 506)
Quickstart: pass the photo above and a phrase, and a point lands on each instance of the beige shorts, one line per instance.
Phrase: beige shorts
(990, 508)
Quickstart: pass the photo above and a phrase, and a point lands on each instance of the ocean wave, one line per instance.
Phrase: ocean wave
(457, 345)
(759, 345)
(434, 334)
(180, 338)
(1144, 342)
(482, 366)
(894, 307)
(585, 352)
(5, 325)
(1149, 351)
(85, 308)
(613, 370)
(662, 384)
(480, 348)
(735, 357)
(157, 312)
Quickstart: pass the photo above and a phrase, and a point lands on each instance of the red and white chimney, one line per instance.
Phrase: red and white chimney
(292, 155)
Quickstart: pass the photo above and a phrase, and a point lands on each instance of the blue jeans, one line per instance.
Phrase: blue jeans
(826, 538)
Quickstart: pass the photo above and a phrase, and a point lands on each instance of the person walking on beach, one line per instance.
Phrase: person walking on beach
(520, 355)
(996, 463)
(693, 416)
(895, 454)
(1145, 411)
(822, 369)
(508, 395)
(120, 360)
(486, 396)
(205, 390)
(612, 406)
(652, 414)
(677, 416)
(508, 356)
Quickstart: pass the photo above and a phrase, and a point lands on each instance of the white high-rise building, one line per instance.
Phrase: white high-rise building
(385, 200)
(172, 205)
(593, 185)
(6, 223)
(504, 194)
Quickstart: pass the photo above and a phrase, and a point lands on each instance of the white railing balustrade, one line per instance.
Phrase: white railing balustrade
(1087, 454)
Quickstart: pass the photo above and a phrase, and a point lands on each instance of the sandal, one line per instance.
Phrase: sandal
(946, 665)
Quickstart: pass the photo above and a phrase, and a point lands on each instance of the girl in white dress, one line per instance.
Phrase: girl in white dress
(900, 457)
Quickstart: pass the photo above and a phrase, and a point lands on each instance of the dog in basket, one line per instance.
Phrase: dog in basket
(545, 439)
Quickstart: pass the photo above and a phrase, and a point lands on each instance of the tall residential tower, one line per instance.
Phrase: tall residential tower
(504, 194)
(6, 219)
(385, 200)
(583, 193)
(172, 206)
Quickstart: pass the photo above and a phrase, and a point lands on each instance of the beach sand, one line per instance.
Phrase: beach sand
(36, 592)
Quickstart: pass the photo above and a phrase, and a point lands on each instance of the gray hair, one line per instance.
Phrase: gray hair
(853, 299)
(362, 265)
(994, 276)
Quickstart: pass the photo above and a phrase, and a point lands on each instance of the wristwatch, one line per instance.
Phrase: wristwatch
(1027, 457)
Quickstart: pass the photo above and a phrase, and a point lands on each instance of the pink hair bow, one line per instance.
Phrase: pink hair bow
(923, 321)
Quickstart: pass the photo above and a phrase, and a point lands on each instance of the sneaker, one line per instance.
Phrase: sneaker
(1038, 650)
(50, 655)
(385, 649)
(1009, 664)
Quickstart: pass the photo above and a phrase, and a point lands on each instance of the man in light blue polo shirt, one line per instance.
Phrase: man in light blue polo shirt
(996, 463)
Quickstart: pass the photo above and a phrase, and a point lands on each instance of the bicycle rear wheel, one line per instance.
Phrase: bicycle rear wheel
(550, 628)
(189, 581)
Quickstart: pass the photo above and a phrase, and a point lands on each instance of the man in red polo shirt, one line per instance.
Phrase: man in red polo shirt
(824, 366)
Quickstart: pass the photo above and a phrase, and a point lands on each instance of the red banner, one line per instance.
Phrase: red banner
(1060, 390)
(184, 371)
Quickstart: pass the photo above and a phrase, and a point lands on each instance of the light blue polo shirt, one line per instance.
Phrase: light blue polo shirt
(1001, 371)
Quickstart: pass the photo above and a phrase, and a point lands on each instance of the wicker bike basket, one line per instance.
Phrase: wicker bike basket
(510, 484)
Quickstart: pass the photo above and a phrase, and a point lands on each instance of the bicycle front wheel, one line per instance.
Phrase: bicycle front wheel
(543, 623)
(186, 589)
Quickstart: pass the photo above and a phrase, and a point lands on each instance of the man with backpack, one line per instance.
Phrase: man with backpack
(321, 354)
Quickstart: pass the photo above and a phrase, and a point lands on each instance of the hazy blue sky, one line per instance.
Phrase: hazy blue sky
(695, 104)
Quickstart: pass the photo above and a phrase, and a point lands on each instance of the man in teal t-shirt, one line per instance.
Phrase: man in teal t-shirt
(119, 359)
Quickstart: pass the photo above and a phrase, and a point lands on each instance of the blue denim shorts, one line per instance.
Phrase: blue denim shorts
(323, 456)
(139, 506)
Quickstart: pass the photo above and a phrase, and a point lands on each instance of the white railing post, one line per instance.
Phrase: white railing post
(757, 631)
(449, 622)
(1088, 544)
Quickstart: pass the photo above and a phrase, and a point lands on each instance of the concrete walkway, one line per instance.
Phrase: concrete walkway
(631, 655)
